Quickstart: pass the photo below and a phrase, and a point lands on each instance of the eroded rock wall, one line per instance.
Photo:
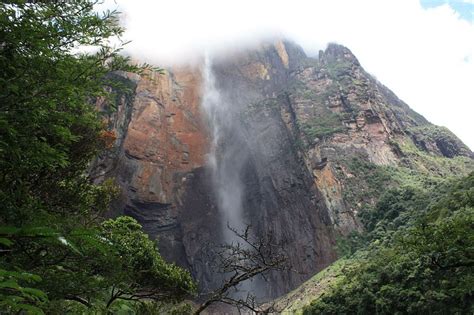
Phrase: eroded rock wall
(295, 122)
(162, 140)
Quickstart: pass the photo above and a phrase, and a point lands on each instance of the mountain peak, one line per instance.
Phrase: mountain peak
(337, 53)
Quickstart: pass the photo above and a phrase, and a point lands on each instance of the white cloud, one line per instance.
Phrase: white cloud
(424, 55)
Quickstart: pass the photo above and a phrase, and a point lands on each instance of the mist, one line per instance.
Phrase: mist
(226, 158)
(425, 55)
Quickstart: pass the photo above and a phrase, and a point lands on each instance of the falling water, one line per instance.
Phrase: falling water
(229, 154)
(224, 159)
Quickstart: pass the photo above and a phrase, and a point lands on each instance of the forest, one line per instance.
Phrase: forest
(61, 252)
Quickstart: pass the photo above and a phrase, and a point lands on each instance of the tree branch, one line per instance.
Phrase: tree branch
(244, 259)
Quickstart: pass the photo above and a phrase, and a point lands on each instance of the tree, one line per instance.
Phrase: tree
(142, 272)
(425, 267)
(49, 130)
(117, 263)
(54, 252)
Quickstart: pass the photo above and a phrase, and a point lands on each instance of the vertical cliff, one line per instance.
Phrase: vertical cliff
(359, 138)
(161, 139)
(306, 137)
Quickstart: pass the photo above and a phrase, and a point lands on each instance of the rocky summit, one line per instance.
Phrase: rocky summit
(312, 140)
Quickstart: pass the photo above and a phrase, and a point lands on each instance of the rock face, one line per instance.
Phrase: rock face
(161, 139)
(300, 121)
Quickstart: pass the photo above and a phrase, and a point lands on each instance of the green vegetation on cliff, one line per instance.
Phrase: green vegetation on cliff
(419, 258)
(418, 170)
(323, 126)
(56, 255)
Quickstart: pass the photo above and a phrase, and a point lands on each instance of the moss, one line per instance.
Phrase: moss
(296, 300)
(429, 164)
(323, 126)
(358, 83)
(336, 70)
(442, 138)
(370, 181)
(433, 132)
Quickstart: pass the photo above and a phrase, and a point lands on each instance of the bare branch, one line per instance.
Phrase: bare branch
(242, 260)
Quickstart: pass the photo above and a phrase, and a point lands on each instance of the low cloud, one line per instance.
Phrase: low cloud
(424, 55)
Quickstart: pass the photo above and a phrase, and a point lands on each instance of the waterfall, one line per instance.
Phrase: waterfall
(225, 159)
(228, 161)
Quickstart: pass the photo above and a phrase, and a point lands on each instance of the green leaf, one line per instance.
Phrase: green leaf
(8, 230)
(5, 241)
(35, 293)
(31, 309)
(12, 284)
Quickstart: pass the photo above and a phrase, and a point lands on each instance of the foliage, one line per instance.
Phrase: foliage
(395, 208)
(294, 301)
(323, 126)
(142, 266)
(387, 197)
(427, 164)
(55, 254)
(339, 69)
(118, 262)
(426, 266)
(16, 296)
(346, 246)
(365, 185)
(448, 144)
(370, 181)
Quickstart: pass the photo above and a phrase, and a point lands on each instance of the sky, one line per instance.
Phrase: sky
(423, 50)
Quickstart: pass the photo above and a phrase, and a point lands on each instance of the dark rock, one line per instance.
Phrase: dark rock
(293, 122)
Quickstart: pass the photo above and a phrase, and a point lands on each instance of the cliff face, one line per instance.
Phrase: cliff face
(161, 139)
(298, 130)
(354, 128)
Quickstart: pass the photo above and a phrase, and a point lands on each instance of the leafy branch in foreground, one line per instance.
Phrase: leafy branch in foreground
(15, 296)
(145, 275)
(55, 255)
